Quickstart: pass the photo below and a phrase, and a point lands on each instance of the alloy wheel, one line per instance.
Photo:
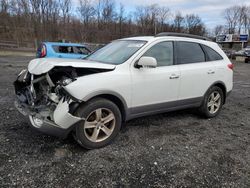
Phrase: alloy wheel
(99, 125)
(214, 102)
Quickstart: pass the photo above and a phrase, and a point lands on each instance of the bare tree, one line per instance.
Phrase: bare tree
(163, 14)
(232, 17)
(178, 22)
(194, 24)
(97, 20)
(98, 12)
(153, 11)
(219, 29)
(246, 20)
(4, 6)
(65, 6)
(147, 18)
(108, 11)
(86, 11)
(121, 18)
(139, 16)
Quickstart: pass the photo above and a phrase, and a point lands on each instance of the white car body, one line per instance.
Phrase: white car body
(140, 91)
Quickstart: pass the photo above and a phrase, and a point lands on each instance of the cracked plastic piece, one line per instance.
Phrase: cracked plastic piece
(62, 117)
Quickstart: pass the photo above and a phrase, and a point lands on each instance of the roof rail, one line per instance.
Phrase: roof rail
(172, 34)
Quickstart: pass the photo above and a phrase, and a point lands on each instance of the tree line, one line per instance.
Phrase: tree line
(237, 20)
(97, 21)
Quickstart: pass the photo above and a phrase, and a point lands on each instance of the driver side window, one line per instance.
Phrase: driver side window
(163, 53)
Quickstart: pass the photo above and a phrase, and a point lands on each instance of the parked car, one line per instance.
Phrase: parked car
(247, 48)
(230, 53)
(62, 50)
(240, 53)
(247, 55)
(126, 79)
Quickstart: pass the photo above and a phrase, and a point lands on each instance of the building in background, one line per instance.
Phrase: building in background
(233, 41)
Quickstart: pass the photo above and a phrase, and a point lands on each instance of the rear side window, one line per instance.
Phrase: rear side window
(212, 54)
(162, 52)
(63, 49)
(189, 52)
(71, 50)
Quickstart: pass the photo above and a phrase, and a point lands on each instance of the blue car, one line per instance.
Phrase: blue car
(62, 50)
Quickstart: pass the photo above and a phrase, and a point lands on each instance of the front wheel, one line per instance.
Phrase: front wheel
(212, 103)
(101, 125)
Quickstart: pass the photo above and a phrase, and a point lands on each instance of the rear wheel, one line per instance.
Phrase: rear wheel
(101, 125)
(213, 102)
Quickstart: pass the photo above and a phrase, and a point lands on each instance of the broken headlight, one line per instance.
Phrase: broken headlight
(66, 81)
(60, 84)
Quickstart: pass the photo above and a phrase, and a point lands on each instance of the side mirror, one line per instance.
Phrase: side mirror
(146, 61)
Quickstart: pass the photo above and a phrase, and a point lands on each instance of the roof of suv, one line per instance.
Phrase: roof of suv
(185, 37)
(152, 38)
(169, 35)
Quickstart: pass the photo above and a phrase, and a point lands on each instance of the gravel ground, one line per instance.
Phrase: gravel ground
(177, 149)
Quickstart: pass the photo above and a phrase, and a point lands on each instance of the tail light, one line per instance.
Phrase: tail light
(43, 51)
(230, 66)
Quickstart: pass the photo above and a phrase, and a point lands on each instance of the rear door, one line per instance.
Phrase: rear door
(222, 72)
(197, 74)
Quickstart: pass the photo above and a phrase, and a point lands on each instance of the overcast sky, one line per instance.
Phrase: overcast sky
(209, 10)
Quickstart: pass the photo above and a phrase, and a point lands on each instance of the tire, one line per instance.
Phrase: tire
(101, 125)
(209, 102)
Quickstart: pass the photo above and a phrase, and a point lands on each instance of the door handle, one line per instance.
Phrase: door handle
(211, 72)
(174, 76)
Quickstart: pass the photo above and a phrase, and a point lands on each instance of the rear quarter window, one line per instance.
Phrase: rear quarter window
(71, 49)
(63, 49)
(212, 55)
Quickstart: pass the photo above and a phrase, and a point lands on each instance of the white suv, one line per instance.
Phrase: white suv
(126, 79)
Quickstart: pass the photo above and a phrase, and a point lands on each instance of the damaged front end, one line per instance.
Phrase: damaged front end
(50, 107)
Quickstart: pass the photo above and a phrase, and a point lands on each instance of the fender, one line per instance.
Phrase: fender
(125, 109)
(224, 91)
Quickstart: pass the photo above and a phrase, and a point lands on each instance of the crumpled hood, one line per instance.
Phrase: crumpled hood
(43, 65)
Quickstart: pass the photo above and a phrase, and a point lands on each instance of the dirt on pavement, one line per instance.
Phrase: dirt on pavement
(177, 149)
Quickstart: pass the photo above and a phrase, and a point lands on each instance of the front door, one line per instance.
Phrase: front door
(154, 88)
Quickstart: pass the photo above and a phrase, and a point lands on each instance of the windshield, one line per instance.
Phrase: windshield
(116, 52)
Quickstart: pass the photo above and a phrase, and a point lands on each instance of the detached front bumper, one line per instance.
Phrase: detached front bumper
(49, 127)
(53, 118)
(61, 125)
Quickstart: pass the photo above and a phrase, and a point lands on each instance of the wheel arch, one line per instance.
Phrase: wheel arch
(113, 97)
(223, 87)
